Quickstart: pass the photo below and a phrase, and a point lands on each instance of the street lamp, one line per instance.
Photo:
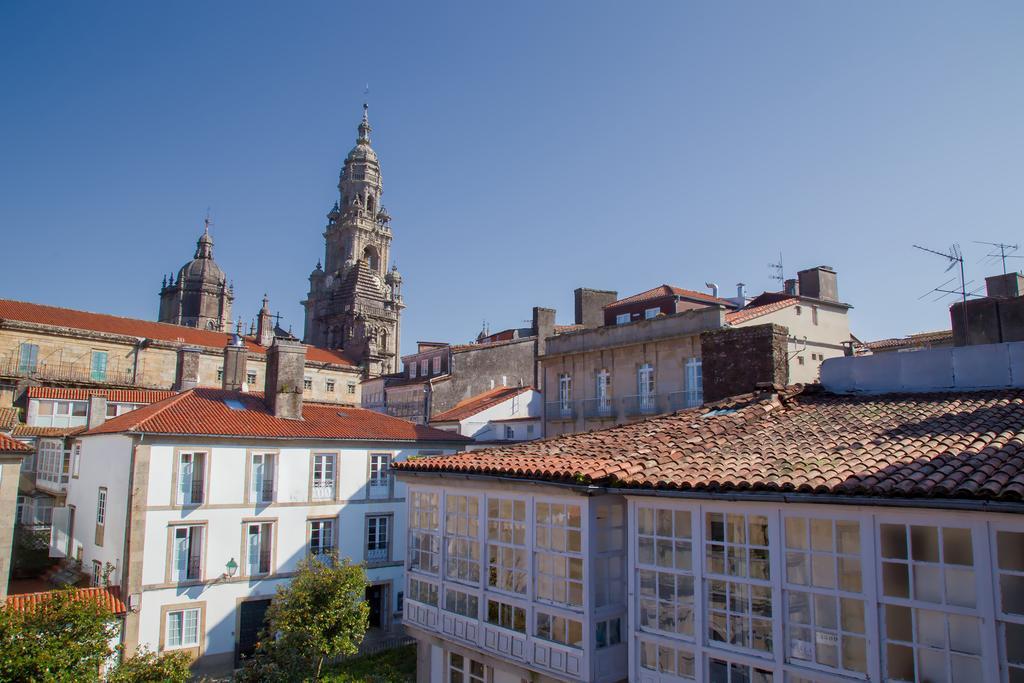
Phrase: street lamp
(231, 567)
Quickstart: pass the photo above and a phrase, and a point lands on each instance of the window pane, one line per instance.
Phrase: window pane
(1012, 590)
(1011, 550)
(894, 541)
(924, 543)
(956, 547)
(895, 580)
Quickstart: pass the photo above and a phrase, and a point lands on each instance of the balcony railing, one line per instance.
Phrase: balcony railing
(598, 407)
(61, 371)
(377, 554)
(642, 404)
(323, 489)
(679, 400)
(560, 410)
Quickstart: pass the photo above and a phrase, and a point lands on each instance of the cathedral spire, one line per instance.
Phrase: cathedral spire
(364, 126)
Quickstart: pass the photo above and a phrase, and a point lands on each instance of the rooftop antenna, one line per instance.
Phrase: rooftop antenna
(777, 271)
(1004, 251)
(207, 222)
(955, 258)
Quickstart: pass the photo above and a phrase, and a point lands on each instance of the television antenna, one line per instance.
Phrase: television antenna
(955, 257)
(777, 272)
(1004, 251)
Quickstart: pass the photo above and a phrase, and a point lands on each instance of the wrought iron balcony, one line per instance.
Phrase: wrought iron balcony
(560, 410)
(61, 371)
(377, 555)
(599, 408)
(680, 400)
(642, 404)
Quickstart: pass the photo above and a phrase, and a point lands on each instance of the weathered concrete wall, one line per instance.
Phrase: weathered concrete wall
(640, 332)
(475, 371)
(981, 366)
(987, 321)
(589, 305)
(735, 360)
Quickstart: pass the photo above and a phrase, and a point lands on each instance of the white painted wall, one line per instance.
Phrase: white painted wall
(483, 426)
(983, 366)
(105, 461)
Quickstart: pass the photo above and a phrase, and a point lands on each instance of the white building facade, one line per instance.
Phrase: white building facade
(200, 530)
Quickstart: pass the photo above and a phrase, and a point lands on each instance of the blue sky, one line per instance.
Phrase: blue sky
(528, 148)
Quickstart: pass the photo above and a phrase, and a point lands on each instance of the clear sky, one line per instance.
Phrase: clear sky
(528, 148)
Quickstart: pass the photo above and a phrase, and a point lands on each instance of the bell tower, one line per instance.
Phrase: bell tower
(354, 301)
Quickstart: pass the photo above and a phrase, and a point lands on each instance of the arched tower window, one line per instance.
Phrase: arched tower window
(369, 203)
(371, 257)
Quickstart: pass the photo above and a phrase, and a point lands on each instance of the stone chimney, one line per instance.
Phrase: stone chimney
(186, 375)
(235, 357)
(819, 283)
(543, 327)
(791, 287)
(265, 325)
(994, 319)
(590, 304)
(734, 360)
(97, 411)
(286, 369)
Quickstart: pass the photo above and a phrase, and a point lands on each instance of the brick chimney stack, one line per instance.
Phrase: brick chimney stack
(286, 368)
(187, 372)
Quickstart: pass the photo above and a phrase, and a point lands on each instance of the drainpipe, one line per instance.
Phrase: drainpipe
(140, 343)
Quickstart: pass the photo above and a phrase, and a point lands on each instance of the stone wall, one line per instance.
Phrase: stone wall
(475, 371)
(735, 360)
(988, 321)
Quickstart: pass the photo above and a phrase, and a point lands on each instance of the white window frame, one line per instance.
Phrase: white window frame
(463, 556)
(622, 318)
(325, 544)
(651, 313)
(182, 617)
(324, 475)
(187, 475)
(380, 476)
(378, 538)
(565, 393)
(259, 461)
(101, 506)
(645, 387)
(264, 534)
(183, 538)
(694, 382)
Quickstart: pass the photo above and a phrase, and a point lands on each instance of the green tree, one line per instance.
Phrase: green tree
(146, 666)
(321, 614)
(63, 638)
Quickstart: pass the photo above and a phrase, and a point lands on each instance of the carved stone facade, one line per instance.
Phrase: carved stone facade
(354, 301)
(200, 296)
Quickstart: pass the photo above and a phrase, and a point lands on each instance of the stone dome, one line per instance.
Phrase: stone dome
(202, 267)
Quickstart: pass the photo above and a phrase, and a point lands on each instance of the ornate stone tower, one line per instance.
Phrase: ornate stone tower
(354, 301)
(201, 296)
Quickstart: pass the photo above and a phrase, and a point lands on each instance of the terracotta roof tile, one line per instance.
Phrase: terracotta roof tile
(112, 395)
(751, 312)
(204, 412)
(8, 418)
(965, 445)
(109, 597)
(131, 327)
(26, 430)
(473, 405)
(669, 290)
(9, 445)
(912, 340)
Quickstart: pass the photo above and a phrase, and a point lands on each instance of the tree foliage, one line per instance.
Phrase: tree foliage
(63, 638)
(320, 615)
(146, 666)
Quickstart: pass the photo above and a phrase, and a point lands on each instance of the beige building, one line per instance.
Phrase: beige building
(641, 355)
(62, 347)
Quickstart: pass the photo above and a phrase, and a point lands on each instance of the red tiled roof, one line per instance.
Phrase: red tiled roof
(479, 403)
(109, 597)
(912, 340)
(112, 395)
(9, 445)
(26, 430)
(669, 290)
(204, 412)
(131, 327)
(751, 312)
(962, 445)
(8, 418)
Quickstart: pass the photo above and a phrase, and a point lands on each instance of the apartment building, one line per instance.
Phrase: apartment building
(60, 347)
(499, 415)
(202, 504)
(440, 375)
(11, 454)
(54, 417)
(838, 533)
(641, 355)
